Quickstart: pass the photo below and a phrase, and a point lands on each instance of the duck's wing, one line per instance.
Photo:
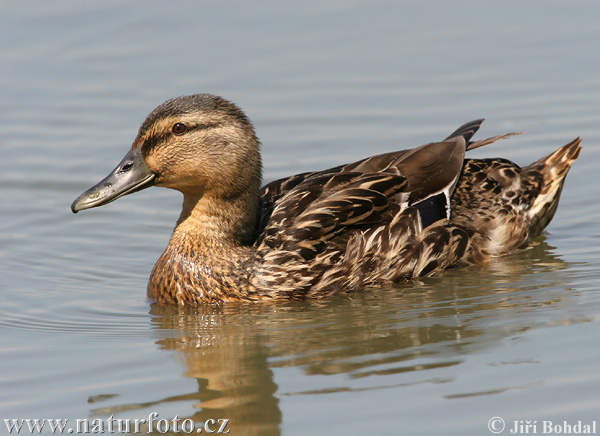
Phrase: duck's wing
(467, 130)
(304, 211)
(274, 191)
(370, 208)
(430, 173)
(310, 226)
(328, 207)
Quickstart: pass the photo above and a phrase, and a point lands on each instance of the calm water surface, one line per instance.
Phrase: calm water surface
(325, 83)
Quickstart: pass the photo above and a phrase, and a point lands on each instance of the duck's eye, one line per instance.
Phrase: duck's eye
(179, 128)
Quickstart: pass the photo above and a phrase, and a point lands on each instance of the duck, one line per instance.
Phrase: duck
(381, 220)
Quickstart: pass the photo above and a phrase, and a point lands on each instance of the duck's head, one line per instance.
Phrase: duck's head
(198, 144)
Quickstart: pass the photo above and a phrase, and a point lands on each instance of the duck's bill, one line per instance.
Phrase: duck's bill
(131, 175)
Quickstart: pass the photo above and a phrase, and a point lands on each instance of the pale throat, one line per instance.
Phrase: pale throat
(214, 223)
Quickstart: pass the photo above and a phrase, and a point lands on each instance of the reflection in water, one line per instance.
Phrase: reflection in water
(229, 361)
(231, 350)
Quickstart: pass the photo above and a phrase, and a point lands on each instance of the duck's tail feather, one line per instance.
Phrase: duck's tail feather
(476, 144)
(549, 174)
(467, 130)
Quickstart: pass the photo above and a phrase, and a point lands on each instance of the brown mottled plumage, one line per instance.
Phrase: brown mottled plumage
(383, 219)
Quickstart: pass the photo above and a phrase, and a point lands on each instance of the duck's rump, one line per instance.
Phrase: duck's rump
(505, 205)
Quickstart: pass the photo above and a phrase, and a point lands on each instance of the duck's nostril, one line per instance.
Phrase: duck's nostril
(126, 167)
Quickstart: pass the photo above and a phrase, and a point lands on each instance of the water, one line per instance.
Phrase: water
(325, 83)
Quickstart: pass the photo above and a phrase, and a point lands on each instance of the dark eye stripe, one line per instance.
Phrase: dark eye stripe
(153, 141)
(181, 128)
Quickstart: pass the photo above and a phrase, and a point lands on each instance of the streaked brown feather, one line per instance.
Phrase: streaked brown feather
(489, 215)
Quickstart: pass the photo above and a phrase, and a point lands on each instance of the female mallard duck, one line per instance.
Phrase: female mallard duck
(384, 219)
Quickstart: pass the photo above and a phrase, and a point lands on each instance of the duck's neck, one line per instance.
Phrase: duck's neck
(217, 223)
(207, 253)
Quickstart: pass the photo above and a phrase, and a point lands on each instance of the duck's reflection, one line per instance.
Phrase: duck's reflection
(231, 350)
(227, 357)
